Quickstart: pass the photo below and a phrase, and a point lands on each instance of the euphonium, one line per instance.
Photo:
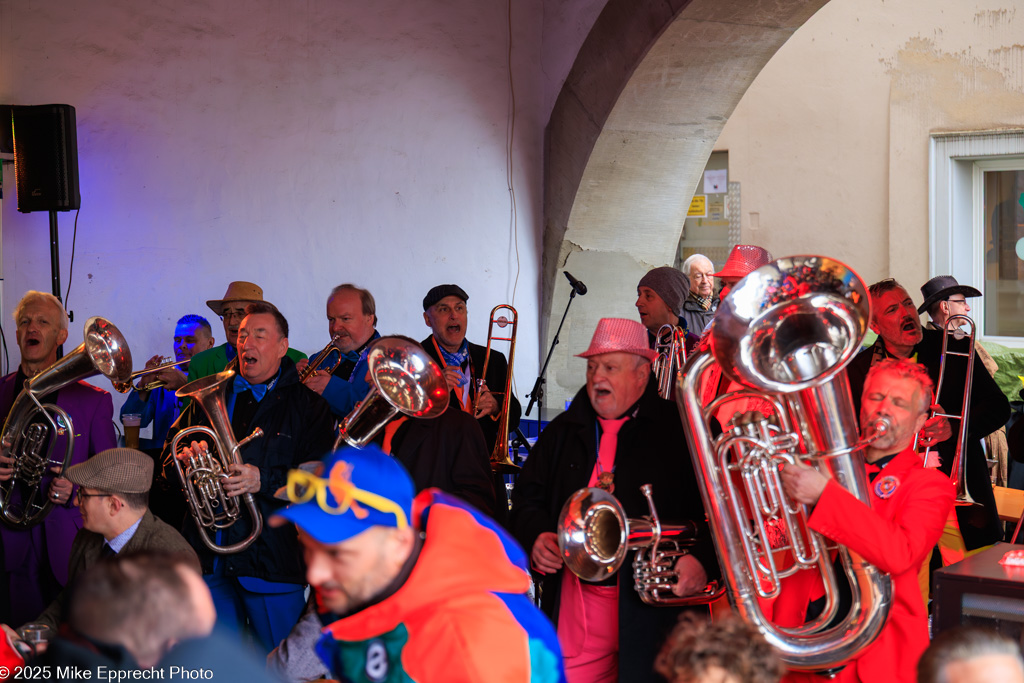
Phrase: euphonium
(31, 430)
(404, 380)
(787, 330)
(321, 362)
(594, 536)
(203, 475)
(500, 460)
(670, 345)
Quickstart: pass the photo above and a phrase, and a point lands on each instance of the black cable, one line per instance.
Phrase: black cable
(71, 268)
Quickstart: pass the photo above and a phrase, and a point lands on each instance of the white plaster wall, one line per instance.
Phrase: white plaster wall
(830, 142)
(295, 144)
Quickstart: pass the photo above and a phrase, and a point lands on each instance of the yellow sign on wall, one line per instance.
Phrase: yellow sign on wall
(698, 206)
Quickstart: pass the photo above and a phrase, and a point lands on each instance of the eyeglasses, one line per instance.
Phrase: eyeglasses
(957, 301)
(303, 486)
(80, 494)
(227, 314)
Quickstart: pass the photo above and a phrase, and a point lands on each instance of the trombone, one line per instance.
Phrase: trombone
(501, 463)
(958, 471)
(322, 359)
(126, 386)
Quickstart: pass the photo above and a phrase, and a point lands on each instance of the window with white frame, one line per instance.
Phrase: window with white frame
(977, 224)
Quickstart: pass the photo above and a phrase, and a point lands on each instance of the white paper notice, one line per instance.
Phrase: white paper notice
(716, 181)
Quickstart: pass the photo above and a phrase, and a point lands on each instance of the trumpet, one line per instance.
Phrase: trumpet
(126, 386)
(322, 359)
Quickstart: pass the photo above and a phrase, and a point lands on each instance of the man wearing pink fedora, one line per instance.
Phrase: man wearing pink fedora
(618, 434)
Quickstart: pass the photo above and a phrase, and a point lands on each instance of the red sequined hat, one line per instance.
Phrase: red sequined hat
(743, 260)
(614, 335)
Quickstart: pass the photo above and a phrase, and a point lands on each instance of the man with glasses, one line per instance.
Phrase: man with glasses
(945, 297)
(231, 309)
(700, 306)
(112, 495)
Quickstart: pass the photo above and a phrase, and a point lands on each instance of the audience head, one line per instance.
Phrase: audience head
(262, 342)
(231, 308)
(113, 489)
(445, 313)
(618, 366)
(41, 326)
(192, 334)
(944, 296)
(660, 296)
(351, 316)
(701, 272)
(727, 650)
(968, 654)
(354, 517)
(144, 602)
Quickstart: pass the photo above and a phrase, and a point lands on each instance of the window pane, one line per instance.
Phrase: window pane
(1004, 253)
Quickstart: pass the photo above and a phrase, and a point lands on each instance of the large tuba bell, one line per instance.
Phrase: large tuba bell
(787, 330)
(594, 536)
(203, 475)
(405, 380)
(31, 430)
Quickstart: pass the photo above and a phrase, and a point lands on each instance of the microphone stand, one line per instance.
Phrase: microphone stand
(537, 395)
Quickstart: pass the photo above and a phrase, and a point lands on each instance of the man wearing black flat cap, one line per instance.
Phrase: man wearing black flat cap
(445, 313)
(945, 297)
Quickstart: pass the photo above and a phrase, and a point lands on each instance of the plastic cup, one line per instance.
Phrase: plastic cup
(131, 422)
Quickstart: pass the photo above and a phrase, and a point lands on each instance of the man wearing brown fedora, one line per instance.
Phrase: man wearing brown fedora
(113, 495)
(231, 309)
(618, 434)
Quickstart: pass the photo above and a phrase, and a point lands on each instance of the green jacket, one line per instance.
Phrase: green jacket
(212, 361)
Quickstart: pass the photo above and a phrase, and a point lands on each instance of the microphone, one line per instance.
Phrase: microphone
(578, 286)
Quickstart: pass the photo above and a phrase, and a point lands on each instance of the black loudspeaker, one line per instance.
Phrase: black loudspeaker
(46, 158)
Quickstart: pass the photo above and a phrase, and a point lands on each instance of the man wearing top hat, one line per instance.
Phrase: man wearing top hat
(446, 314)
(231, 309)
(113, 495)
(618, 434)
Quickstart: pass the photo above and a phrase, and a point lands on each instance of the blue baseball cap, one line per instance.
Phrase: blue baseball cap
(355, 489)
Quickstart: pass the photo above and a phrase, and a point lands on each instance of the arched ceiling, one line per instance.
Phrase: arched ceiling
(630, 133)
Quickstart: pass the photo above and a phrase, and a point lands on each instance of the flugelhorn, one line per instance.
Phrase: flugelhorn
(203, 474)
(594, 536)
(670, 345)
(500, 460)
(404, 379)
(31, 430)
(787, 332)
(958, 471)
(322, 361)
(126, 386)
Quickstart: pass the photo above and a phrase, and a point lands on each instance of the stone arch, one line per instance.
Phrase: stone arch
(629, 135)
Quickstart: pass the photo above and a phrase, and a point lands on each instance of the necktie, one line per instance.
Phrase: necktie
(107, 551)
(258, 390)
(604, 468)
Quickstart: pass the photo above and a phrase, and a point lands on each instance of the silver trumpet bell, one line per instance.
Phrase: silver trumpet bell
(786, 332)
(405, 379)
(31, 430)
(594, 536)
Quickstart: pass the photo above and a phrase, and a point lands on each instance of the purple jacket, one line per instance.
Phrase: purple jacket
(91, 410)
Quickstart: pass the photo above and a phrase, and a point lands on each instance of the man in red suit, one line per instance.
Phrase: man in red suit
(909, 507)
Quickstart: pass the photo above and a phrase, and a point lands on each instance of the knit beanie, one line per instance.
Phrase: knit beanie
(670, 284)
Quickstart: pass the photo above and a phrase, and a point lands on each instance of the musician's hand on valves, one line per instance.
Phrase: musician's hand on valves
(301, 364)
(486, 404)
(6, 466)
(690, 576)
(936, 430)
(173, 378)
(546, 557)
(318, 382)
(243, 479)
(802, 483)
(60, 490)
